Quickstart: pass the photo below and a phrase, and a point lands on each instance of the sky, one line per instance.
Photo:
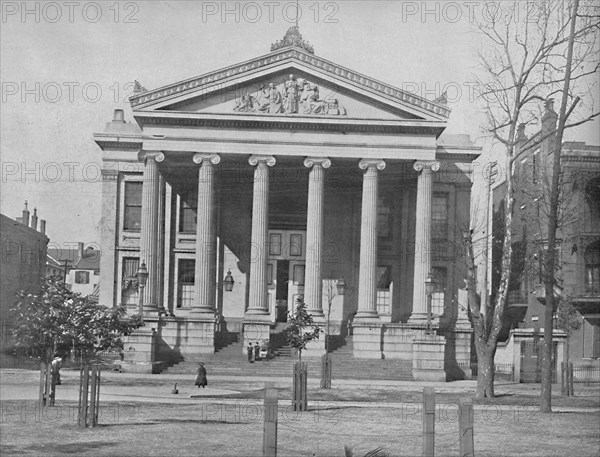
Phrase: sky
(65, 66)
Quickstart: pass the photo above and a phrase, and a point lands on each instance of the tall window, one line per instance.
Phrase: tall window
(133, 206)
(439, 216)
(188, 208)
(129, 283)
(592, 268)
(384, 289)
(185, 283)
(439, 291)
(384, 217)
(592, 195)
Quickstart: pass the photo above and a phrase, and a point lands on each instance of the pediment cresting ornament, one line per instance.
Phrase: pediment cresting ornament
(294, 96)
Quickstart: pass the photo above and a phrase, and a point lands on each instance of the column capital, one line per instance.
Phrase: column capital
(369, 163)
(324, 162)
(145, 155)
(200, 157)
(255, 160)
(420, 165)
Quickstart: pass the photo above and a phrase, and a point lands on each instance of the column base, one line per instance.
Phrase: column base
(367, 339)
(428, 358)
(139, 352)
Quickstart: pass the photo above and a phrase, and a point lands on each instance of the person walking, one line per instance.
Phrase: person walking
(201, 377)
(250, 350)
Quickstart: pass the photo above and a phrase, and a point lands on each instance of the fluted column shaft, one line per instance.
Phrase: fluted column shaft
(206, 237)
(422, 237)
(258, 305)
(149, 228)
(367, 283)
(313, 282)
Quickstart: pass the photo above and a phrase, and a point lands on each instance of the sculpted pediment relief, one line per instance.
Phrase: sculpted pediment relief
(294, 96)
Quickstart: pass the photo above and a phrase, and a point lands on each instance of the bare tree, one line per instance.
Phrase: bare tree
(524, 63)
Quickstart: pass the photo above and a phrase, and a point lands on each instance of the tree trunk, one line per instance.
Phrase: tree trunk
(485, 371)
(549, 265)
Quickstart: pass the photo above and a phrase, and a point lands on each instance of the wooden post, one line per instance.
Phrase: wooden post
(270, 422)
(465, 427)
(571, 383)
(562, 378)
(42, 383)
(326, 371)
(85, 396)
(80, 400)
(48, 389)
(92, 409)
(428, 421)
(97, 397)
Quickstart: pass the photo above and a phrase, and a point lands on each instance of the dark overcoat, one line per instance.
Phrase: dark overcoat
(201, 378)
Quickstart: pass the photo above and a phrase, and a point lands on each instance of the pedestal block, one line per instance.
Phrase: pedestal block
(367, 340)
(428, 358)
(463, 351)
(255, 332)
(139, 352)
(316, 348)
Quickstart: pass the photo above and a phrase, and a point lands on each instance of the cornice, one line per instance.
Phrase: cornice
(292, 53)
(285, 122)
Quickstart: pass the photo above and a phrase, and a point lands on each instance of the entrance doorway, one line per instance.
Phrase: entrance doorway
(281, 290)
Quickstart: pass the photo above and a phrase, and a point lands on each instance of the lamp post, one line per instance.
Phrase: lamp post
(142, 277)
(429, 287)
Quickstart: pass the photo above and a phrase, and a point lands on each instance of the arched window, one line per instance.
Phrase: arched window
(592, 268)
(592, 196)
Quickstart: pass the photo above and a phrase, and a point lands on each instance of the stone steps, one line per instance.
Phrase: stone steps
(231, 361)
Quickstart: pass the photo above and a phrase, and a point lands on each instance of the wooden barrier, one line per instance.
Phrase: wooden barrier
(326, 371)
(299, 400)
(89, 396)
(428, 422)
(566, 379)
(465, 427)
(270, 421)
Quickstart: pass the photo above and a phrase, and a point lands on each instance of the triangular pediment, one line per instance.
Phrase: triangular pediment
(265, 86)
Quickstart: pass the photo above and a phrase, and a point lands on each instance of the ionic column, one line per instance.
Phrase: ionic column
(257, 301)
(149, 228)
(422, 237)
(367, 283)
(206, 237)
(313, 285)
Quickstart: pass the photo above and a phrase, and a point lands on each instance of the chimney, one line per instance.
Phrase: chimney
(42, 226)
(549, 117)
(25, 219)
(521, 133)
(34, 219)
(119, 116)
(79, 251)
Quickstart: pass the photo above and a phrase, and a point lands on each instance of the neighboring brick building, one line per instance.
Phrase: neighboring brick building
(578, 243)
(23, 258)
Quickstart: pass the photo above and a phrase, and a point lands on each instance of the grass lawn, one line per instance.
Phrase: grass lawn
(214, 428)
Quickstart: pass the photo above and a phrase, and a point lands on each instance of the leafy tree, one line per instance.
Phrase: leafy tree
(57, 317)
(301, 329)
